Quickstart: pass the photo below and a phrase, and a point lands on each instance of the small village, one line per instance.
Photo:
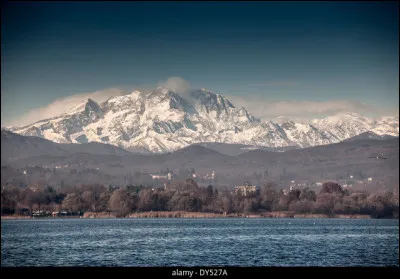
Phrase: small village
(167, 180)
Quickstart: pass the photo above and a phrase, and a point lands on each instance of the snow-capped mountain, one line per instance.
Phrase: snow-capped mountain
(165, 121)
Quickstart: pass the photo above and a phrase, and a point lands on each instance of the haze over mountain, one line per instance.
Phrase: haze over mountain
(166, 120)
(52, 163)
(369, 135)
(14, 146)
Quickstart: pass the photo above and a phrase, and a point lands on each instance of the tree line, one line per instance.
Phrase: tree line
(186, 195)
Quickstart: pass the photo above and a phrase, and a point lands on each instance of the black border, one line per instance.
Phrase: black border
(166, 272)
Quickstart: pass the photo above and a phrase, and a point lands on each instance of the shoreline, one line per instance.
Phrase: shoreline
(192, 215)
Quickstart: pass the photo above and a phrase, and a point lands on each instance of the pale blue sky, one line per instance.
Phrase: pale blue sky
(288, 51)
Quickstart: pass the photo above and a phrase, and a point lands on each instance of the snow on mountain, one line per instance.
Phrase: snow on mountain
(348, 125)
(387, 126)
(164, 121)
(306, 134)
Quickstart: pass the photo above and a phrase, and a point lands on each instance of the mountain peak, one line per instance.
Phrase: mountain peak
(90, 102)
(93, 108)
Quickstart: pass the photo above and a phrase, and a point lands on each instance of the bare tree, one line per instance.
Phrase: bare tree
(73, 202)
(120, 202)
(325, 203)
(269, 196)
(307, 194)
(331, 187)
(145, 202)
(302, 206)
(89, 201)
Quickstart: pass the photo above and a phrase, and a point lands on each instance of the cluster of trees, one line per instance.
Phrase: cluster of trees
(188, 196)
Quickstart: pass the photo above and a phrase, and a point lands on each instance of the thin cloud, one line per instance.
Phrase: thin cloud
(177, 84)
(61, 105)
(259, 106)
(267, 110)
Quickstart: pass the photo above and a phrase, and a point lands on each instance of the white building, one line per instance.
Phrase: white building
(245, 190)
(157, 176)
(285, 191)
(33, 188)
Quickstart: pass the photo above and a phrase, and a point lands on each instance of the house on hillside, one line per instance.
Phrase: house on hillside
(158, 176)
(169, 176)
(209, 176)
(34, 187)
(285, 191)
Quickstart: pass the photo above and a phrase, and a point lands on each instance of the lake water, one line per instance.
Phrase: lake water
(200, 242)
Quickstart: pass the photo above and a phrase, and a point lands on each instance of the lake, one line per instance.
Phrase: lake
(200, 242)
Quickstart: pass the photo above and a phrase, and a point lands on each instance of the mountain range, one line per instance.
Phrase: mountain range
(164, 121)
(73, 164)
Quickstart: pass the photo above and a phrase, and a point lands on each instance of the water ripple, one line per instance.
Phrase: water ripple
(194, 242)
